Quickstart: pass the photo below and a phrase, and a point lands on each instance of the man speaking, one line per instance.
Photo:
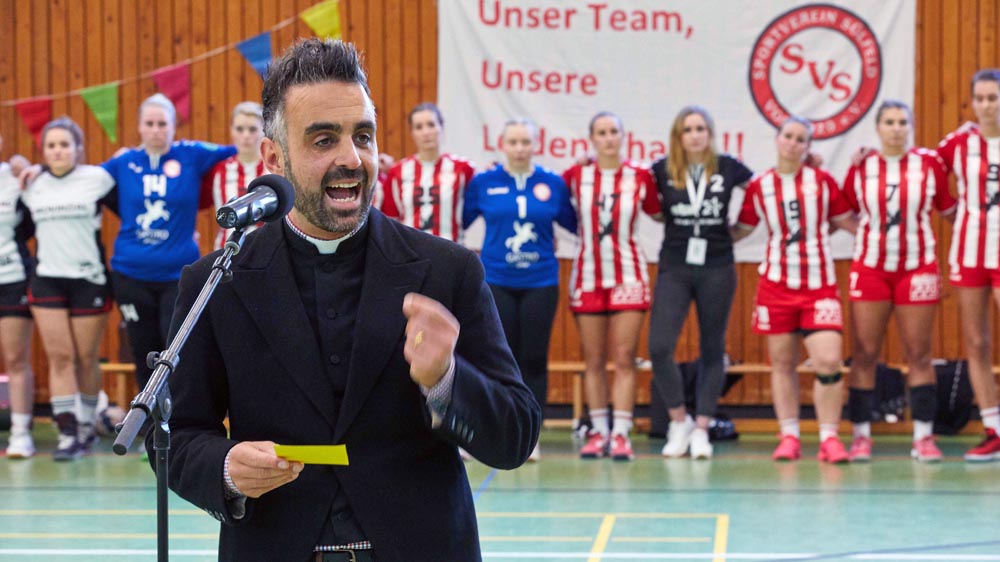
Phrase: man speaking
(341, 326)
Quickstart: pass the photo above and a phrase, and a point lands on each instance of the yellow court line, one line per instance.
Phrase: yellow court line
(662, 539)
(721, 538)
(91, 512)
(603, 534)
(105, 536)
(543, 538)
(595, 515)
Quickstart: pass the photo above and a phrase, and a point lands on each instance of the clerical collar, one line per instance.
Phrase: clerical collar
(324, 247)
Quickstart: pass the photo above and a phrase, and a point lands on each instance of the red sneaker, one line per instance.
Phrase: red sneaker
(861, 449)
(788, 449)
(988, 450)
(832, 451)
(621, 448)
(926, 450)
(596, 447)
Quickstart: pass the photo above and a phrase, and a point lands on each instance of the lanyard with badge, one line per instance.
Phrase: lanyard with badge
(697, 246)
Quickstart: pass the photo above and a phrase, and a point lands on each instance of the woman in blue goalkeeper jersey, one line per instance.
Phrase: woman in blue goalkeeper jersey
(159, 194)
(520, 203)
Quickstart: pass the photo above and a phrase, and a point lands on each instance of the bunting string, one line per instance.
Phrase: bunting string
(174, 79)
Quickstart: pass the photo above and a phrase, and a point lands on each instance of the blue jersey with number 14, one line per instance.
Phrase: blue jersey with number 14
(519, 210)
(158, 201)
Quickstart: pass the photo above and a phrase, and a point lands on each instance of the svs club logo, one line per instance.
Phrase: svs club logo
(820, 62)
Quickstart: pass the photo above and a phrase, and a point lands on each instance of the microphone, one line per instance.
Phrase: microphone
(268, 198)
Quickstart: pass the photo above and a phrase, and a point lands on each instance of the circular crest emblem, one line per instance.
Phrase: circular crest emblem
(818, 61)
(542, 192)
(171, 168)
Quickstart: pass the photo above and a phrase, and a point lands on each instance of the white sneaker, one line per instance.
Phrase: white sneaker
(536, 454)
(678, 438)
(20, 446)
(701, 447)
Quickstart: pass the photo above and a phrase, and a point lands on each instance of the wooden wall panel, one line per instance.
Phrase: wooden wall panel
(55, 46)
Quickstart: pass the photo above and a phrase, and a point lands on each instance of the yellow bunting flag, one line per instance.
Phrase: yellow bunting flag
(324, 19)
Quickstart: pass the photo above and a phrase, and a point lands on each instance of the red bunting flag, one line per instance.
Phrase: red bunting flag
(175, 83)
(35, 112)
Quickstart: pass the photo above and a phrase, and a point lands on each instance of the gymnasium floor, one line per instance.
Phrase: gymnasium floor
(739, 506)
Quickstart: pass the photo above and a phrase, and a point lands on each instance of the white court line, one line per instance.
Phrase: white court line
(543, 555)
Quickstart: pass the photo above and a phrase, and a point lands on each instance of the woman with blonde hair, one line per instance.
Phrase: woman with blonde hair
(696, 184)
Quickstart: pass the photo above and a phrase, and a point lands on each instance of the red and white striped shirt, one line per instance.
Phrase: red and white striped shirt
(229, 179)
(797, 211)
(975, 160)
(607, 203)
(894, 196)
(428, 196)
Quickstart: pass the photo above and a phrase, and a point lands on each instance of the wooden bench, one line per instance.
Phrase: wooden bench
(119, 382)
(577, 369)
(753, 370)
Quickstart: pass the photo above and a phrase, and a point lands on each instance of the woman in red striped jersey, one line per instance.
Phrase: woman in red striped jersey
(895, 268)
(797, 299)
(425, 190)
(609, 288)
(972, 153)
(230, 178)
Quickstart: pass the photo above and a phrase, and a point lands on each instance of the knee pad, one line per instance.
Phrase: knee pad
(832, 378)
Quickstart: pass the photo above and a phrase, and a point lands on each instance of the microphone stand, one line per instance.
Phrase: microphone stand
(154, 400)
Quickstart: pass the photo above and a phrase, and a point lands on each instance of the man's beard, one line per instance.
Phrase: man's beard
(310, 204)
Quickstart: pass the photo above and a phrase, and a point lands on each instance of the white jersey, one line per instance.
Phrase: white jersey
(11, 257)
(68, 222)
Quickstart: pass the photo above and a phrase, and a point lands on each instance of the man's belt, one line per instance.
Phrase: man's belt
(346, 556)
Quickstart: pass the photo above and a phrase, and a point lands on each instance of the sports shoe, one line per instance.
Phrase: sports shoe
(595, 447)
(926, 450)
(20, 446)
(832, 451)
(536, 454)
(69, 447)
(678, 438)
(788, 449)
(87, 436)
(861, 449)
(701, 447)
(621, 448)
(988, 450)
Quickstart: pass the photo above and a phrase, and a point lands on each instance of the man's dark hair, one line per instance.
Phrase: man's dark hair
(309, 61)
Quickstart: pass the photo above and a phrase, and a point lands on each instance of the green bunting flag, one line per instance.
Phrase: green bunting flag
(103, 103)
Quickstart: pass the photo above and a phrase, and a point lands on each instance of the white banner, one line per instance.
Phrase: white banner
(750, 63)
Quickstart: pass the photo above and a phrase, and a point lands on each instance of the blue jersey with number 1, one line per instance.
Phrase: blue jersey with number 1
(519, 210)
(158, 201)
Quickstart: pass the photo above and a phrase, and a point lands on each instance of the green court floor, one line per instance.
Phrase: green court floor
(738, 506)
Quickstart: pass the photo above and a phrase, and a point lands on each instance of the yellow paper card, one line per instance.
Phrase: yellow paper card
(313, 454)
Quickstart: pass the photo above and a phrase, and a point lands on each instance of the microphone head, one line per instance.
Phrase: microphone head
(283, 191)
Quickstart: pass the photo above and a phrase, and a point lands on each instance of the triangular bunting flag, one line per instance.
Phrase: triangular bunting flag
(175, 83)
(257, 51)
(103, 103)
(324, 19)
(35, 113)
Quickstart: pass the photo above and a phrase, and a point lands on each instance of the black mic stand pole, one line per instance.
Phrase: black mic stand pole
(154, 400)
